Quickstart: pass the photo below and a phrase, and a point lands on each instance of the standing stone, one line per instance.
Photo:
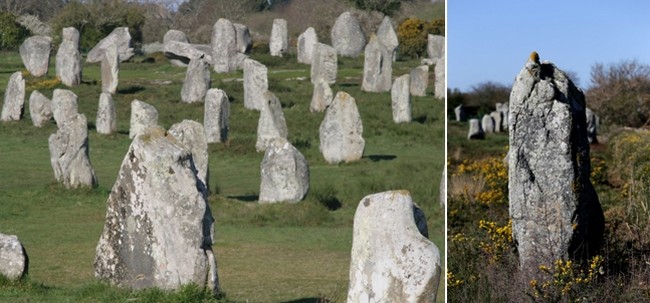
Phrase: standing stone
(271, 124)
(475, 130)
(68, 58)
(35, 53)
(487, 124)
(255, 84)
(224, 46)
(440, 86)
(443, 188)
(143, 116)
(106, 122)
(69, 154)
(387, 36)
(159, 228)
(504, 109)
(436, 47)
(64, 106)
(592, 126)
(216, 116)
(119, 38)
(391, 259)
(341, 132)
(192, 135)
(347, 36)
(285, 173)
(12, 108)
(177, 36)
(459, 111)
(305, 45)
(558, 217)
(110, 71)
(401, 100)
(321, 97)
(324, 64)
(13, 257)
(377, 67)
(244, 40)
(419, 81)
(497, 116)
(279, 43)
(40, 108)
(197, 81)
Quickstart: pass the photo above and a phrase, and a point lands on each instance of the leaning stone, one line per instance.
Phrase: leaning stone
(192, 135)
(279, 43)
(255, 84)
(224, 46)
(285, 173)
(106, 122)
(305, 45)
(14, 102)
(159, 228)
(401, 99)
(419, 81)
(592, 126)
(377, 67)
(321, 97)
(347, 36)
(180, 53)
(271, 124)
(40, 108)
(110, 71)
(341, 132)
(487, 124)
(497, 116)
(197, 81)
(35, 53)
(119, 38)
(460, 114)
(244, 40)
(13, 257)
(436, 47)
(68, 58)
(391, 260)
(64, 106)
(216, 115)
(440, 86)
(324, 64)
(143, 116)
(475, 130)
(69, 154)
(172, 52)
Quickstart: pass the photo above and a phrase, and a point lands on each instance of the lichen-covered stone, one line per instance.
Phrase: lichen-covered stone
(279, 43)
(119, 38)
(64, 106)
(110, 71)
(14, 101)
(216, 115)
(305, 45)
(401, 99)
(377, 67)
(324, 64)
(387, 36)
(35, 53)
(347, 36)
(69, 154)
(40, 109)
(321, 97)
(341, 132)
(272, 124)
(197, 81)
(192, 135)
(284, 173)
(436, 47)
(106, 122)
(224, 46)
(419, 80)
(13, 257)
(175, 56)
(68, 58)
(244, 40)
(255, 84)
(475, 130)
(143, 116)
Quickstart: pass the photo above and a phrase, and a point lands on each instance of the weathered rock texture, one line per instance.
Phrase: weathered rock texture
(387, 36)
(285, 173)
(341, 132)
(392, 260)
(224, 46)
(475, 130)
(143, 116)
(321, 97)
(106, 122)
(159, 229)
(192, 135)
(419, 80)
(110, 70)
(554, 208)
(40, 109)
(68, 58)
(180, 52)
(244, 40)
(13, 257)
(324, 64)
(197, 81)
(487, 124)
(216, 115)
(69, 154)
(305, 45)
(119, 38)
(35, 53)
(377, 67)
(436, 47)
(64, 106)
(255, 84)
(347, 36)
(440, 84)
(401, 99)
(592, 126)
(279, 43)
(497, 116)
(175, 56)
(14, 101)
(504, 109)
(271, 124)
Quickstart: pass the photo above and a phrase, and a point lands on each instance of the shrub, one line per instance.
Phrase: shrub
(12, 34)
(387, 7)
(413, 33)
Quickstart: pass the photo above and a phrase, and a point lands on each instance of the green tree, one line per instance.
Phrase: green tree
(12, 34)
(387, 7)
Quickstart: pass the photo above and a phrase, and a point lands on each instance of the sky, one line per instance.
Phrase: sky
(491, 40)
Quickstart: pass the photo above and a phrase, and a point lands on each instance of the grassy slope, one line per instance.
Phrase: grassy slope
(266, 253)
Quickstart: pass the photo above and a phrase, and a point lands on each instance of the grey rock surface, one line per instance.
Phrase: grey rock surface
(387, 36)
(68, 58)
(592, 126)
(440, 84)
(255, 84)
(180, 53)
(377, 67)
(419, 80)
(436, 47)
(143, 116)
(401, 99)
(13, 257)
(224, 46)
(347, 36)
(321, 97)
(197, 81)
(192, 135)
(40, 109)
(216, 116)
(324, 64)
(497, 116)
(35, 53)
(284, 173)
(177, 54)
(443, 188)
(244, 40)
(14, 101)
(64, 106)
(69, 154)
(271, 124)
(279, 43)
(119, 38)
(341, 132)
(106, 122)
(459, 112)
(305, 45)
(488, 124)
(110, 70)
(475, 130)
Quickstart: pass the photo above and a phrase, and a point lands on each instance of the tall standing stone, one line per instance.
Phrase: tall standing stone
(119, 38)
(504, 109)
(256, 83)
(440, 86)
(106, 122)
(436, 47)
(197, 81)
(192, 135)
(401, 99)
(272, 124)
(177, 36)
(284, 173)
(487, 124)
(387, 36)
(592, 126)
(69, 154)
(443, 188)
(35, 53)
(341, 132)
(14, 102)
(244, 40)
(324, 64)
(347, 36)
(497, 116)
(419, 81)
(460, 114)
(110, 71)
(64, 106)
(279, 43)
(216, 116)
(377, 67)
(391, 259)
(143, 116)
(13, 257)
(68, 58)
(224, 46)
(159, 228)
(475, 130)
(558, 217)
(305, 45)
(40, 108)
(321, 97)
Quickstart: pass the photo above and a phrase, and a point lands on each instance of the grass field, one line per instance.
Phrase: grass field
(266, 253)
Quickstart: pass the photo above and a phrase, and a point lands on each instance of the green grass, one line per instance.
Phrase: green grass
(266, 253)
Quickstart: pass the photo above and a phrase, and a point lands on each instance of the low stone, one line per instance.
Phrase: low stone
(377, 67)
(436, 46)
(143, 116)
(216, 115)
(440, 86)
(321, 97)
(487, 124)
(255, 84)
(341, 132)
(272, 124)
(305, 45)
(69, 154)
(35, 53)
(14, 101)
(419, 81)
(387, 36)
(224, 46)
(119, 38)
(13, 258)
(110, 71)
(64, 106)
(347, 36)
(192, 135)
(244, 40)
(178, 50)
(40, 109)
(324, 64)
(284, 173)
(475, 130)
(401, 99)
(106, 122)
(279, 43)
(68, 58)
(197, 81)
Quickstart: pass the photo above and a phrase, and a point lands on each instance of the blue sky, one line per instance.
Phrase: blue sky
(491, 40)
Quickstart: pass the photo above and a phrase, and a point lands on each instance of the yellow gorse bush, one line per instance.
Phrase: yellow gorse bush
(495, 174)
(500, 239)
(37, 84)
(566, 280)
